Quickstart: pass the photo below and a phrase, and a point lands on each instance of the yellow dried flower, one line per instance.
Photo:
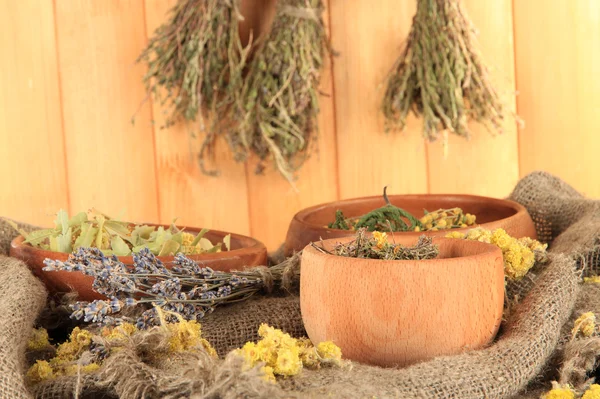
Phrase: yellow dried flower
(592, 280)
(309, 357)
(559, 392)
(187, 238)
(120, 332)
(39, 340)
(288, 362)
(186, 336)
(441, 223)
(380, 238)
(251, 353)
(585, 324)
(593, 392)
(40, 371)
(417, 228)
(532, 244)
(426, 219)
(455, 234)
(329, 351)
(470, 219)
(79, 340)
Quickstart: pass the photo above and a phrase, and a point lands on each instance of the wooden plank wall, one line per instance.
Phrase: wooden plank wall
(69, 86)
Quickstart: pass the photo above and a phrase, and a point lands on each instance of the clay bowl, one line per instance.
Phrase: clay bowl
(245, 251)
(309, 224)
(397, 313)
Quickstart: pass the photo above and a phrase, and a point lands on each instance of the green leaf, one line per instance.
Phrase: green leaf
(205, 244)
(169, 248)
(54, 244)
(177, 237)
(142, 233)
(119, 246)
(216, 248)
(198, 237)
(62, 221)
(86, 238)
(78, 219)
(100, 219)
(64, 242)
(227, 241)
(118, 228)
(36, 237)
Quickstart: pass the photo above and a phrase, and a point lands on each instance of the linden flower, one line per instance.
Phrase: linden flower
(592, 280)
(40, 371)
(559, 392)
(585, 324)
(39, 340)
(380, 238)
(593, 392)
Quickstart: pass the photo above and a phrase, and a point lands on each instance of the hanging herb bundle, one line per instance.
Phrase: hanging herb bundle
(441, 75)
(195, 64)
(279, 103)
(199, 61)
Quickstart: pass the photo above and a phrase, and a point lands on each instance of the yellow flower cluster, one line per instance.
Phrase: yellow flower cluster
(286, 356)
(443, 219)
(567, 392)
(38, 340)
(518, 254)
(592, 280)
(584, 325)
(64, 363)
(380, 239)
(187, 336)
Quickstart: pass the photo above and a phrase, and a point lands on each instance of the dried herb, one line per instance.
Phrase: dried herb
(97, 230)
(278, 107)
(441, 75)
(187, 289)
(390, 218)
(195, 63)
(377, 246)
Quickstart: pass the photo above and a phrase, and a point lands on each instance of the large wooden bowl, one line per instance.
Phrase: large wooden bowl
(396, 313)
(245, 251)
(309, 225)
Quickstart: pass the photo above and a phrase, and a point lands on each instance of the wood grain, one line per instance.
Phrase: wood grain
(397, 313)
(32, 157)
(557, 55)
(185, 192)
(369, 39)
(485, 164)
(273, 201)
(111, 161)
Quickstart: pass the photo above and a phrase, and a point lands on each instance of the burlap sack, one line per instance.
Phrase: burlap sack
(534, 346)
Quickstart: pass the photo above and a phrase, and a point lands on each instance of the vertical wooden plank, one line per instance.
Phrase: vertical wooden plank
(273, 202)
(196, 199)
(111, 161)
(369, 38)
(32, 158)
(487, 164)
(557, 61)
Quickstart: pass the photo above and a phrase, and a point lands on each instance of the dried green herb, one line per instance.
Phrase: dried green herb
(278, 107)
(195, 64)
(441, 75)
(378, 246)
(97, 230)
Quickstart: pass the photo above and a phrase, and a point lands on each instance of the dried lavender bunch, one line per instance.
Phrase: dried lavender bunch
(377, 246)
(441, 75)
(187, 289)
(195, 63)
(278, 106)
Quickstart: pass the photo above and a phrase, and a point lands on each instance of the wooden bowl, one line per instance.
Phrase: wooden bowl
(245, 251)
(397, 313)
(309, 225)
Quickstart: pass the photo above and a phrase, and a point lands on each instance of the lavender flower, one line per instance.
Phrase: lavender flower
(187, 289)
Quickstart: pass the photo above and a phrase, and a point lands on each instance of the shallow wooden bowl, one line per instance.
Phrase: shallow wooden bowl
(245, 251)
(397, 313)
(309, 225)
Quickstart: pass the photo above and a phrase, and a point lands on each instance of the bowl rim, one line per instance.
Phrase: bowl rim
(301, 216)
(252, 245)
(486, 248)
